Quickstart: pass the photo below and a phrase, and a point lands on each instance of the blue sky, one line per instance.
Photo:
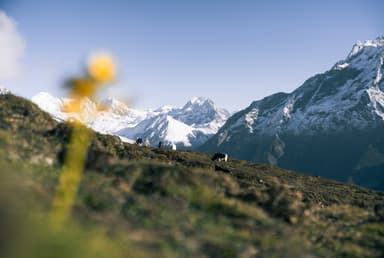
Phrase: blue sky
(233, 52)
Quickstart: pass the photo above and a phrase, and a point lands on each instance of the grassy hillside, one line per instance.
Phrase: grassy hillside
(143, 202)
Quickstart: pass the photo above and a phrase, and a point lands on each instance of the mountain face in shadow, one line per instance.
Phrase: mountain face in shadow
(331, 126)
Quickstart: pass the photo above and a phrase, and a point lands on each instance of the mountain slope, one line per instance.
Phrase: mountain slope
(162, 128)
(187, 127)
(161, 203)
(325, 127)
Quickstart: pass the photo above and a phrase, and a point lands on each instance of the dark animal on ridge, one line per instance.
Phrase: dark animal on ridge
(220, 157)
(139, 141)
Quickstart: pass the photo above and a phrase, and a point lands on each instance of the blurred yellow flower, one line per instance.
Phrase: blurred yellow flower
(73, 106)
(83, 88)
(101, 67)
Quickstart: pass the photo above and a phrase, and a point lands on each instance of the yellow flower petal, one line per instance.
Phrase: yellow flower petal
(102, 68)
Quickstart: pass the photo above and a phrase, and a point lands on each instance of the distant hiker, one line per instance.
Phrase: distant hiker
(220, 157)
(160, 145)
(139, 141)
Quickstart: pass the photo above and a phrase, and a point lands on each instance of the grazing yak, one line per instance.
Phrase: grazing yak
(139, 141)
(220, 157)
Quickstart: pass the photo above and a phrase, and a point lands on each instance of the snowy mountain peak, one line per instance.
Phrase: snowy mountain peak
(115, 106)
(50, 104)
(376, 43)
(327, 126)
(164, 109)
(187, 127)
(198, 102)
(110, 102)
(347, 97)
(200, 112)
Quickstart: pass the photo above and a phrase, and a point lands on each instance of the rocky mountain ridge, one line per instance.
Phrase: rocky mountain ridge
(343, 106)
(187, 127)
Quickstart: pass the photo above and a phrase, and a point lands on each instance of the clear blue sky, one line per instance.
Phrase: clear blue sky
(233, 52)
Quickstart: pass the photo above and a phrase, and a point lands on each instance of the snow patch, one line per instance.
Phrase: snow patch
(356, 49)
(378, 42)
(51, 105)
(125, 139)
(377, 101)
(341, 66)
(288, 109)
(198, 100)
(250, 118)
(379, 75)
(178, 132)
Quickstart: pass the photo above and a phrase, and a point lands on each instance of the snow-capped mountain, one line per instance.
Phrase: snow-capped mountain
(201, 113)
(326, 126)
(164, 128)
(187, 127)
(50, 104)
